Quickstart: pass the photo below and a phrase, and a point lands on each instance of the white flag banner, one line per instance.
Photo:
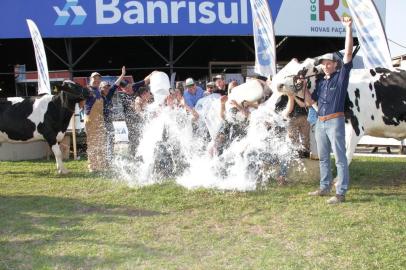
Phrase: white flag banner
(44, 87)
(371, 34)
(264, 38)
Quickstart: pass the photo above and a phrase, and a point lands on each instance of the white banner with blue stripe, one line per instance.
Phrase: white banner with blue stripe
(44, 87)
(264, 38)
(371, 34)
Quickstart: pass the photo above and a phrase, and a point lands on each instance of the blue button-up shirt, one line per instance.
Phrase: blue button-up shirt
(190, 99)
(330, 93)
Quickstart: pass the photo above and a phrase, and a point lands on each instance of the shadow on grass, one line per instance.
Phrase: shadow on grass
(44, 170)
(378, 177)
(32, 225)
(45, 205)
(367, 174)
(35, 174)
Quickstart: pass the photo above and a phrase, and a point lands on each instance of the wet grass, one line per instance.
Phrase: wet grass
(86, 221)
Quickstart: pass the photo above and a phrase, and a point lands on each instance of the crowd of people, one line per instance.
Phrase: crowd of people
(99, 116)
(134, 98)
(306, 125)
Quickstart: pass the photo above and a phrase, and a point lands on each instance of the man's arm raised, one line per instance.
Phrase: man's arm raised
(347, 22)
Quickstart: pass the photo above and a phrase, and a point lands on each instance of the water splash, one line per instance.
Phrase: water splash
(173, 146)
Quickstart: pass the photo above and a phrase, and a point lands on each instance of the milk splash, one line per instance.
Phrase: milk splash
(173, 146)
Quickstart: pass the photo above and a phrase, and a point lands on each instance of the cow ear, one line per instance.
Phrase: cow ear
(56, 89)
(318, 69)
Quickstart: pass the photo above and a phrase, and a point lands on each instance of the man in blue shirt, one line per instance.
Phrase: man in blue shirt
(193, 93)
(330, 96)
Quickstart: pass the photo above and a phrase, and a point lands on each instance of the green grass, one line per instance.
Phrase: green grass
(83, 221)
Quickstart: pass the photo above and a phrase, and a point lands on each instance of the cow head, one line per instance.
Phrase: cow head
(75, 90)
(287, 80)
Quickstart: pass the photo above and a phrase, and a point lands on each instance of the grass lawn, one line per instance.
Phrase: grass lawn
(82, 221)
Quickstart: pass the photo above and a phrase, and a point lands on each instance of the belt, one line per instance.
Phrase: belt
(331, 116)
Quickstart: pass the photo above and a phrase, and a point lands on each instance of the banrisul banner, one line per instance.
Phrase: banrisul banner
(92, 18)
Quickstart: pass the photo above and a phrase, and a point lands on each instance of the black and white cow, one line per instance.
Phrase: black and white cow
(375, 104)
(43, 117)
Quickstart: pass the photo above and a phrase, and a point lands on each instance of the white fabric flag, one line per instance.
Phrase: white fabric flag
(44, 87)
(371, 34)
(264, 38)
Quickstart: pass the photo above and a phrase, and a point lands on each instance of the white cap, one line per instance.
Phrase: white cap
(189, 82)
(210, 84)
(95, 74)
(104, 83)
(327, 56)
(218, 77)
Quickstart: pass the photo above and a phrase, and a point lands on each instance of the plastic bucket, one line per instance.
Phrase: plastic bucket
(159, 85)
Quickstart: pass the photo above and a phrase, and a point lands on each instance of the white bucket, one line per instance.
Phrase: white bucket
(159, 85)
(249, 91)
(208, 109)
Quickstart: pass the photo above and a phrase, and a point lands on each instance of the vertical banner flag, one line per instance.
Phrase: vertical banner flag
(264, 38)
(371, 34)
(44, 87)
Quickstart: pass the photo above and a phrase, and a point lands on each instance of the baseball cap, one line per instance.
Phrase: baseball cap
(94, 74)
(210, 84)
(104, 83)
(327, 56)
(124, 83)
(260, 77)
(189, 82)
(218, 77)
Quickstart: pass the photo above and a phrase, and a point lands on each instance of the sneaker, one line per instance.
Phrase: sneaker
(319, 192)
(336, 199)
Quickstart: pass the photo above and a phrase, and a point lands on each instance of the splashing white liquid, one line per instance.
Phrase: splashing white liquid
(173, 147)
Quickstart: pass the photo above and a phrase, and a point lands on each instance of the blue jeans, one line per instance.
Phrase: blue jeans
(330, 135)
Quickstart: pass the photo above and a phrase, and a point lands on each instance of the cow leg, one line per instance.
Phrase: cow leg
(351, 141)
(58, 157)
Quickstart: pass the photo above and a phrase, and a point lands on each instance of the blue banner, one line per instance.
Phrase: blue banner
(371, 34)
(93, 18)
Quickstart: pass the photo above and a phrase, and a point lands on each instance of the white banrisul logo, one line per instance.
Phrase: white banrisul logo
(141, 12)
(64, 15)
